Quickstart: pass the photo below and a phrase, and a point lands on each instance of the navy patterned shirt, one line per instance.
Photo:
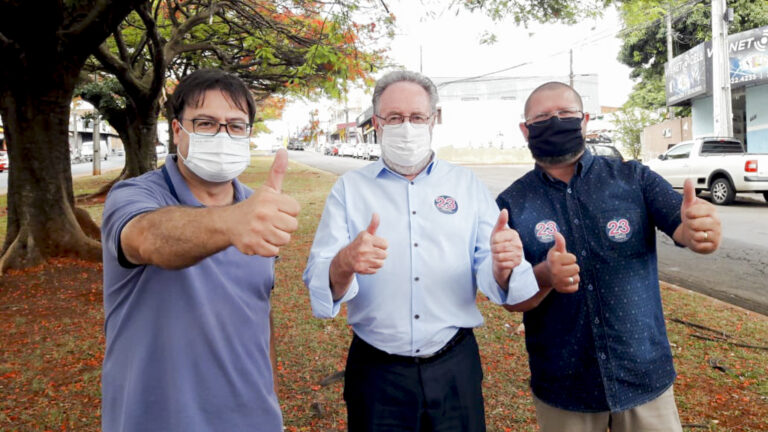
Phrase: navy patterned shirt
(604, 347)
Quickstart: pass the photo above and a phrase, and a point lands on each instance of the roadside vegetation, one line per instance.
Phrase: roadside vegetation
(51, 333)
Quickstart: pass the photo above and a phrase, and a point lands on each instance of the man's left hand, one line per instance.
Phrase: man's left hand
(506, 249)
(700, 229)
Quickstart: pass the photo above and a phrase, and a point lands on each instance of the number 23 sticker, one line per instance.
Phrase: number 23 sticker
(545, 231)
(618, 230)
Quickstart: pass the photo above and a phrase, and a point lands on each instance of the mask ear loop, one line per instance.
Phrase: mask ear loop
(189, 144)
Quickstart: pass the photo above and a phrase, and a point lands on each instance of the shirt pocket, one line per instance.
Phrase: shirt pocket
(622, 233)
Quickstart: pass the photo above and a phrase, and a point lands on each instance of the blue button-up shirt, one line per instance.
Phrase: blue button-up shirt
(604, 347)
(438, 229)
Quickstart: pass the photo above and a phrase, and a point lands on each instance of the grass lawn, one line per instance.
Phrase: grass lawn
(51, 334)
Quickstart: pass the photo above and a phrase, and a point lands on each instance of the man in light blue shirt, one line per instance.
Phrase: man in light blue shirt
(406, 242)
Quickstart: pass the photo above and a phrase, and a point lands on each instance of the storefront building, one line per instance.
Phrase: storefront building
(689, 81)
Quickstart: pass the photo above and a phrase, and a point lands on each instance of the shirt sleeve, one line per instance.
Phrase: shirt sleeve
(331, 236)
(124, 202)
(661, 200)
(522, 282)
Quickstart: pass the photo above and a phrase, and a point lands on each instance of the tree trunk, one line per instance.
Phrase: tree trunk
(42, 220)
(137, 126)
(141, 135)
(169, 115)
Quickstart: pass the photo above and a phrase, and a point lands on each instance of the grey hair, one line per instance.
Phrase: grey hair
(408, 76)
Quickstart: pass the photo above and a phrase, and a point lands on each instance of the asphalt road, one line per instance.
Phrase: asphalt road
(737, 273)
(78, 169)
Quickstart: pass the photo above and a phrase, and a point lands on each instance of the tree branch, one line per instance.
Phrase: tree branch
(157, 79)
(119, 69)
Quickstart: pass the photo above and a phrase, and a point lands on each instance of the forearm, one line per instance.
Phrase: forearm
(679, 236)
(340, 276)
(175, 237)
(544, 280)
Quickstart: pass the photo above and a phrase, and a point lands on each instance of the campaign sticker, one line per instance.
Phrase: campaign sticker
(545, 231)
(446, 204)
(618, 230)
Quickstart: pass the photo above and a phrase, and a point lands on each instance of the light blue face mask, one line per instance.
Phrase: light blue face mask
(218, 158)
(406, 144)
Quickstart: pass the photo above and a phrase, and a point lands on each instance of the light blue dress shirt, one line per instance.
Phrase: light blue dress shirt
(438, 230)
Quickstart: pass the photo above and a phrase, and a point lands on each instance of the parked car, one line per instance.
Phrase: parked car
(605, 150)
(330, 149)
(295, 144)
(161, 150)
(359, 151)
(372, 151)
(719, 165)
(86, 151)
(4, 163)
(347, 149)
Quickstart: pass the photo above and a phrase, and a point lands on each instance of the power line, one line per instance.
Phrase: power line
(589, 40)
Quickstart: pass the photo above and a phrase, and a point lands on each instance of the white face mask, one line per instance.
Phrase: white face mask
(406, 147)
(218, 158)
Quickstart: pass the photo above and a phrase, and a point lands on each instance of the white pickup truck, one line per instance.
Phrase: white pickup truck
(718, 165)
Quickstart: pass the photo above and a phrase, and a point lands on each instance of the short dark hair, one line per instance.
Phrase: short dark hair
(191, 91)
(552, 85)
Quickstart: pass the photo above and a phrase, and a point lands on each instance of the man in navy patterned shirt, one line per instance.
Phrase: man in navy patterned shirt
(595, 334)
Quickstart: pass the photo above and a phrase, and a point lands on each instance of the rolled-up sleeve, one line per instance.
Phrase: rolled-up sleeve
(331, 236)
(522, 282)
(124, 202)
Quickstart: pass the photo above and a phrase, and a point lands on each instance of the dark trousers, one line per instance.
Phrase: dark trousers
(442, 393)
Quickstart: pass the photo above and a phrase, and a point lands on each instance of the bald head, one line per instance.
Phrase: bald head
(553, 89)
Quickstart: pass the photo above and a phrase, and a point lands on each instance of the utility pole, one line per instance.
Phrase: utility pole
(670, 53)
(722, 112)
(96, 146)
(421, 60)
(571, 75)
(76, 135)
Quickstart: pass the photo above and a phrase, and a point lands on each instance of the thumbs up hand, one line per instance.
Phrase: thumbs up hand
(700, 228)
(367, 252)
(563, 267)
(263, 223)
(506, 249)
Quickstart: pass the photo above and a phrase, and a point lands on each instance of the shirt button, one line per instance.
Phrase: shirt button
(597, 320)
(418, 350)
(411, 182)
(416, 316)
(602, 356)
(416, 278)
(415, 245)
(576, 221)
(413, 212)
(589, 287)
(569, 190)
(583, 253)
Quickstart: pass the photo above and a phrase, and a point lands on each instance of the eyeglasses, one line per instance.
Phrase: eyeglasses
(540, 119)
(208, 127)
(396, 119)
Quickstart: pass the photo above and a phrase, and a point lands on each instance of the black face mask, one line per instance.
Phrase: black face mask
(555, 137)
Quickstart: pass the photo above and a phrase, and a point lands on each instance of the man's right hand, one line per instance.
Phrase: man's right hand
(563, 267)
(263, 223)
(367, 252)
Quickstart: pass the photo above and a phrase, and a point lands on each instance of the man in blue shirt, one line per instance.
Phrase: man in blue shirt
(595, 333)
(406, 241)
(188, 271)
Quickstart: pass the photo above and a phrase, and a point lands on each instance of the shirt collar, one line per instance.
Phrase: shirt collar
(186, 197)
(379, 168)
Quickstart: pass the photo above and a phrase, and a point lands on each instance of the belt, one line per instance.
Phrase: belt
(383, 355)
